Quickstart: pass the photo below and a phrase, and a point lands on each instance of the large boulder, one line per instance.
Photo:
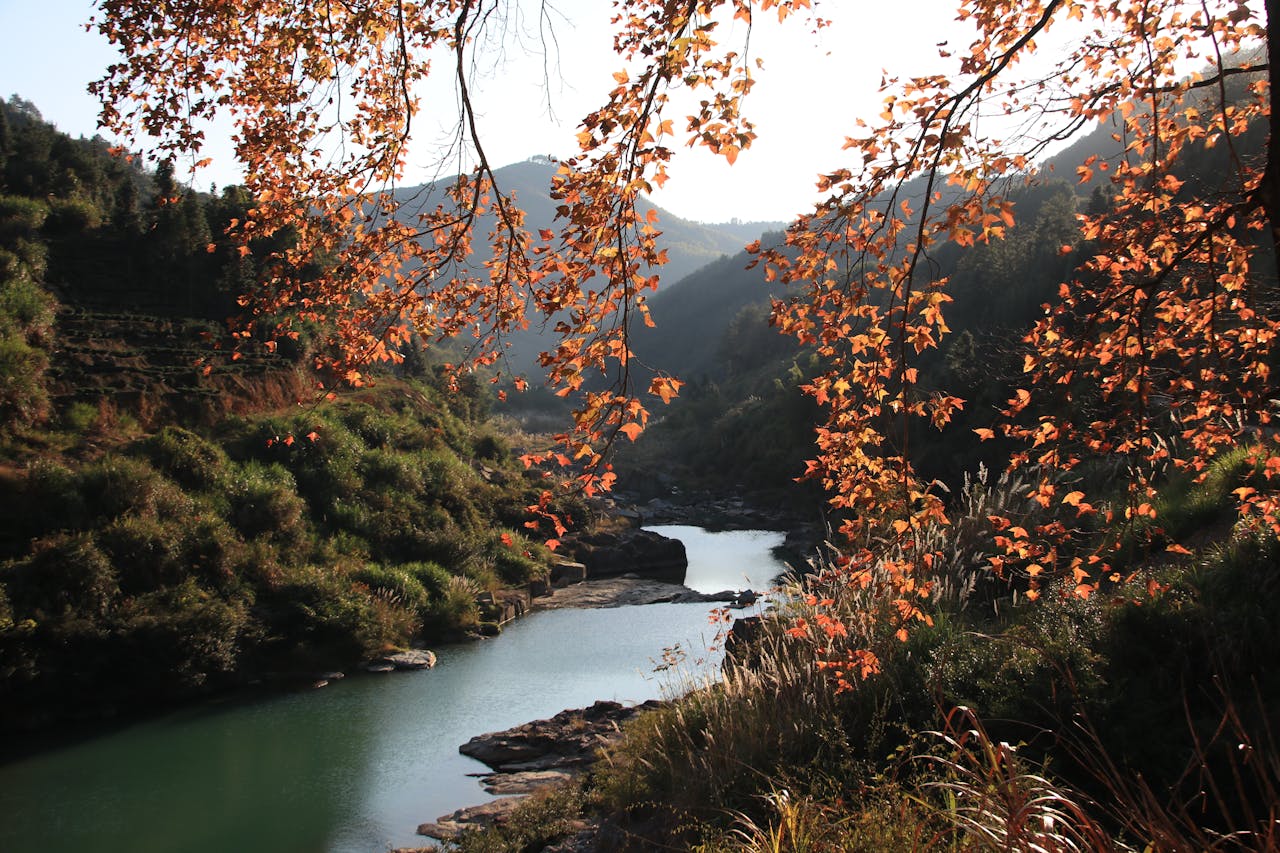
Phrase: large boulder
(569, 739)
(566, 572)
(639, 552)
(412, 659)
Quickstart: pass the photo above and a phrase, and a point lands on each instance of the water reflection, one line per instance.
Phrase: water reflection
(730, 559)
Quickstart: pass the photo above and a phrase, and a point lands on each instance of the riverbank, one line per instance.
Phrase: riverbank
(533, 757)
(540, 757)
(630, 591)
(358, 765)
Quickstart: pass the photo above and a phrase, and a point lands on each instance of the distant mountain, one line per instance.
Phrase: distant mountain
(689, 245)
(748, 231)
(693, 315)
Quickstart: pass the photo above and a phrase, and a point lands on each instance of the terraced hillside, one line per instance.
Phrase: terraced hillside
(164, 368)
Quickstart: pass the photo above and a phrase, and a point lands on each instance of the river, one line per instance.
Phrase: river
(356, 766)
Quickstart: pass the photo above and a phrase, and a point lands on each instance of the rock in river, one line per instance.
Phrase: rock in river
(642, 552)
(412, 659)
(534, 755)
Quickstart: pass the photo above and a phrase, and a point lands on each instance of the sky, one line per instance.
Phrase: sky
(806, 100)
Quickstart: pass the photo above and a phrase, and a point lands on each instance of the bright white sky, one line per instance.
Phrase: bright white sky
(805, 102)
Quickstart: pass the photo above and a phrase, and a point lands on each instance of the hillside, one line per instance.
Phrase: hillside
(176, 522)
(689, 245)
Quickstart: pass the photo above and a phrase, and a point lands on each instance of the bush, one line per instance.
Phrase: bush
(183, 635)
(193, 461)
(491, 446)
(146, 551)
(1023, 673)
(80, 417)
(396, 581)
(21, 218)
(456, 610)
(317, 614)
(432, 576)
(70, 216)
(375, 428)
(27, 305)
(116, 485)
(213, 553)
(386, 471)
(519, 562)
(65, 575)
(265, 504)
(23, 399)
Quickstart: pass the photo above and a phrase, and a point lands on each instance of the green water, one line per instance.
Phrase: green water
(355, 766)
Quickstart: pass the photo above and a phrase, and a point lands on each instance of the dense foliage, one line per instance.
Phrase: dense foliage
(170, 528)
(1141, 720)
(181, 560)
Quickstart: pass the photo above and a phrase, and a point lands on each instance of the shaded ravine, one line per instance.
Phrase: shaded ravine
(358, 765)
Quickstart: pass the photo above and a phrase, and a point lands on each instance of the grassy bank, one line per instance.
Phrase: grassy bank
(1141, 718)
(144, 567)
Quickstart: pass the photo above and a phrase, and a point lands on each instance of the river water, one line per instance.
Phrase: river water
(356, 766)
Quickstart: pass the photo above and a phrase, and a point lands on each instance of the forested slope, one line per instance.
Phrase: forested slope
(175, 520)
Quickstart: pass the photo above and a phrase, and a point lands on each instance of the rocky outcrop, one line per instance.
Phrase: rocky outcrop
(627, 591)
(742, 645)
(569, 739)
(532, 756)
(412, 659)
(522, 782)
(705, 509)
(450, 827)
(504, 605)
(566, 572)
(639, 552)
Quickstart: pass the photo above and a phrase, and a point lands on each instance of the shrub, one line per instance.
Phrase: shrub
(193, 461)
(213, 553)
(146, 552)
(456, 610)
(491, 446)
(21, 217)
(80, 417)
(316, 613)
(375, 428)
(68, 216)
(23, 398)
(389, 471)
(432, 576)
(183, 635)
(1034, 670)
(27, 305)
(116, 485)
(396, 581)
(518, 562)
(265, 504)
(65, 575)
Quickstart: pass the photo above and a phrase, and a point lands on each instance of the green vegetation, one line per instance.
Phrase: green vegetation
(182, 559)
(1110, 723)
(143, 560)
(742, 422)
(175, 522)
